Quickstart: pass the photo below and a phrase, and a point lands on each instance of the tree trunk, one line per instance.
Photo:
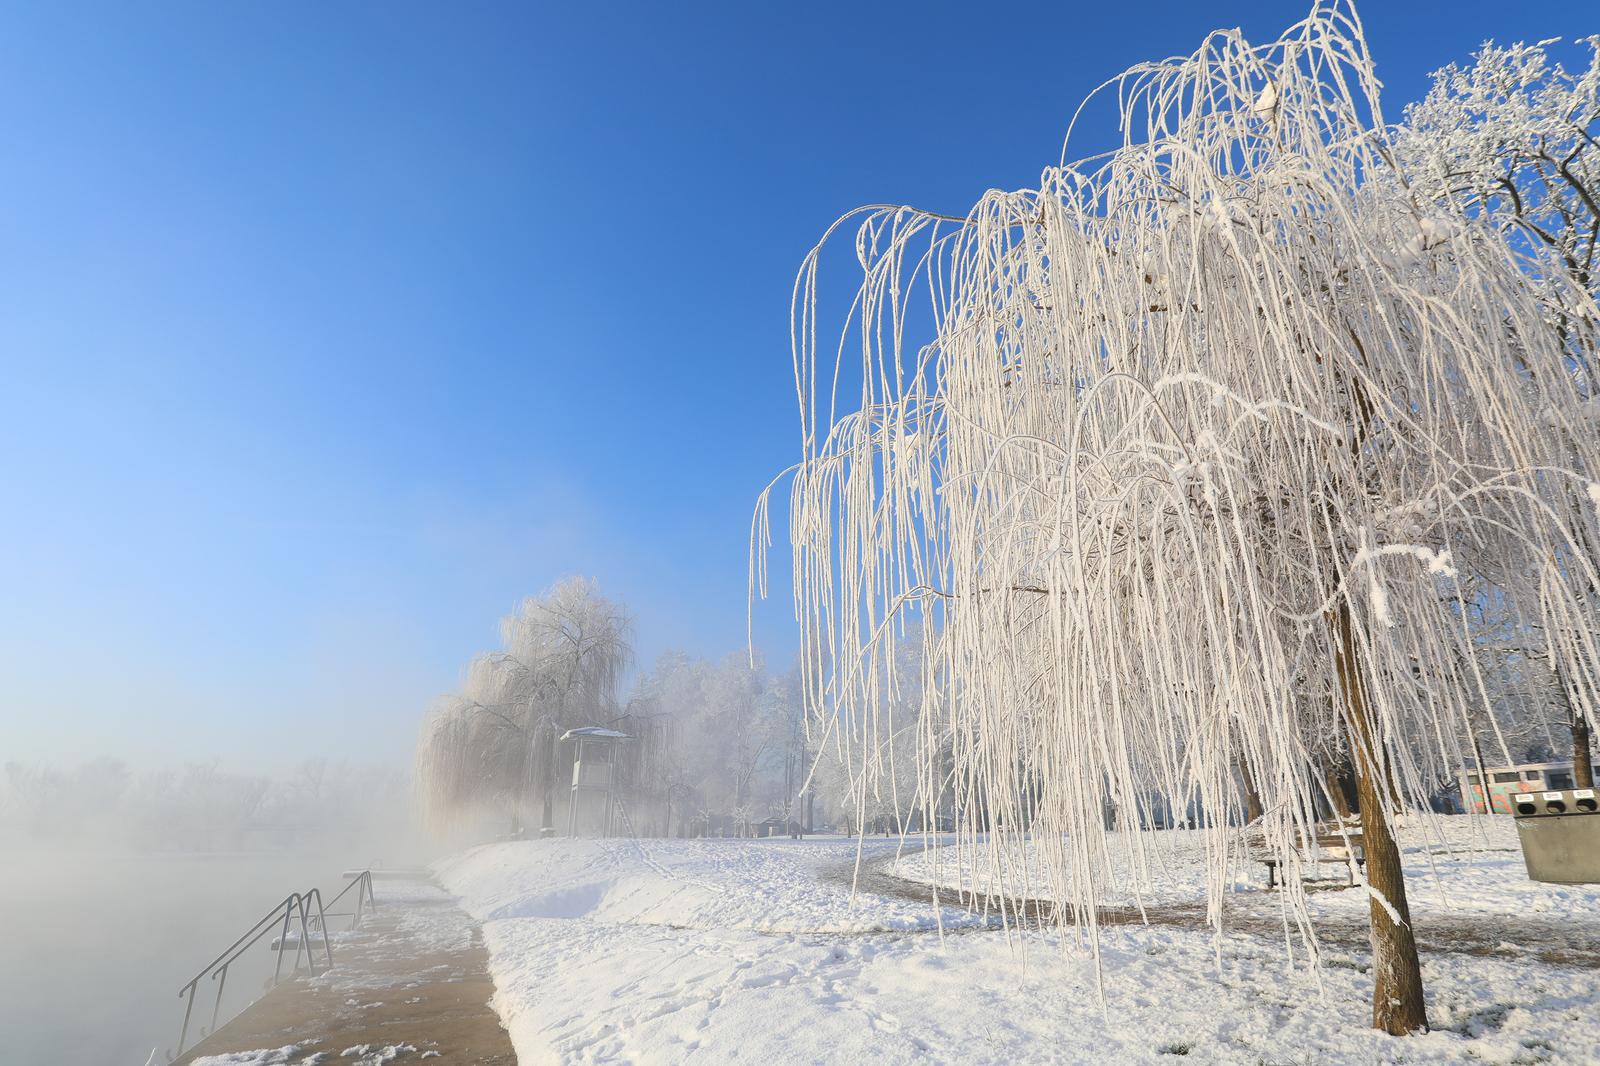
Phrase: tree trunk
(1582, 758)
(1337, 796)
(1483, 771)
(1398, 1006)
(1252, 798)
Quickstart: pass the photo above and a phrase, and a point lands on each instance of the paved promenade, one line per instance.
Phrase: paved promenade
(410, 985)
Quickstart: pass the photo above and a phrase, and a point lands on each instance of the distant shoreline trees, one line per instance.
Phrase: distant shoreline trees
(202, 807)
(712, 745)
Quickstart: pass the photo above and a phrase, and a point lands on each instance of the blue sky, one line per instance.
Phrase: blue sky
(328, 331)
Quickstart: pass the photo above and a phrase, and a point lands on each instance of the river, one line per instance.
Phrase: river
(97, 945)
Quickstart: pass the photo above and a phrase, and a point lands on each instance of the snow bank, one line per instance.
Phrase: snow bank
(765, 885)
(738, 951)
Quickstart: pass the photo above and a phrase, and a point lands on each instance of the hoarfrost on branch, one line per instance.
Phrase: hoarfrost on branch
(1199, 425)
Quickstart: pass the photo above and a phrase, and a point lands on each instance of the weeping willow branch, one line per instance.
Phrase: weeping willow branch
(1197, 396)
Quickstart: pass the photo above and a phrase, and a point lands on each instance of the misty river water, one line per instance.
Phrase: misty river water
(97, 945)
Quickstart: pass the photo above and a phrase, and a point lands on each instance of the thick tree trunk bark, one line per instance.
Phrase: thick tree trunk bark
(1582, 756)
(1398, 1006)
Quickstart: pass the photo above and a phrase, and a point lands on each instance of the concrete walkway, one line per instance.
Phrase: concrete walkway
(411, 984)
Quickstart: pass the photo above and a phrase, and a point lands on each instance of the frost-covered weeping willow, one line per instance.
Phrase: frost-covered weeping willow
(494, 744)
(1209, 442)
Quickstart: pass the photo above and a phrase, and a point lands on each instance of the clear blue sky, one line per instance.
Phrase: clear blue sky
(330, 330)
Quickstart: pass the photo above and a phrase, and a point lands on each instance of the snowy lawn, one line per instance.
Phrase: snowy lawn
(1454, 865)
(754, 951)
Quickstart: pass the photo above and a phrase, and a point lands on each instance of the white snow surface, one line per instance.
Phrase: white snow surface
(708, 951)
(277, 1056)
(1454, 864)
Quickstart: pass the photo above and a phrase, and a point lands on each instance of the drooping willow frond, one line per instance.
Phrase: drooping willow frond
(1186, 413)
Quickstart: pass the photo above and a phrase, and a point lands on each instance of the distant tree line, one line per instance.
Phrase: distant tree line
(715, 747)
(200, 806)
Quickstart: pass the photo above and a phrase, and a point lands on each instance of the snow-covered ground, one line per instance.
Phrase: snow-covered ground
(615, 951)
(1455, 865)
(294, 1055)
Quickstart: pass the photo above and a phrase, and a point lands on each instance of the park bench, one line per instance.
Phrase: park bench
(1333, 843)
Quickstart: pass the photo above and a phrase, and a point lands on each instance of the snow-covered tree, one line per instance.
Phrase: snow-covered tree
(870, 768)
(730, 724)
(1183, 454)
(675, 689)
(741, 732)
(495, 743)
(1513, 140)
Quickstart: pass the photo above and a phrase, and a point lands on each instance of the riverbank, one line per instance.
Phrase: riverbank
(119, 932)
(667, 951)
(411, 984)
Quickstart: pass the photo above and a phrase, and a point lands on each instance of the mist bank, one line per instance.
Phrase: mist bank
(201, 807)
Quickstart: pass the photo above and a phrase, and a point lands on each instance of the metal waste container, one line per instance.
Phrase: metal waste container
(1560, 833)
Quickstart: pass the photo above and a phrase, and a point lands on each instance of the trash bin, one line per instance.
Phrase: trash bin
(1560, 834)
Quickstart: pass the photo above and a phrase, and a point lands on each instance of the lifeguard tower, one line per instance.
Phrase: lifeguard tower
(594, 779)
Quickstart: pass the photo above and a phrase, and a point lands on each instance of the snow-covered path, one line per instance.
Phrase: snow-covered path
(754, 951)
(1466, 881)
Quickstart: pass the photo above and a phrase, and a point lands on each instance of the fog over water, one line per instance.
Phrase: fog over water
(108, 915)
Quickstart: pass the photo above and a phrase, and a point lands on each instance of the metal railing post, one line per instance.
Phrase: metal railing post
(283, 938)
(305, 943)
(221, 984)
(363, 897)
(322, 922)
(183, 1034)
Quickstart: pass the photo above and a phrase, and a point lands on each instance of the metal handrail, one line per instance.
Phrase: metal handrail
(217, 968)
(363, 883)
(320, 924)
(312, 914)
